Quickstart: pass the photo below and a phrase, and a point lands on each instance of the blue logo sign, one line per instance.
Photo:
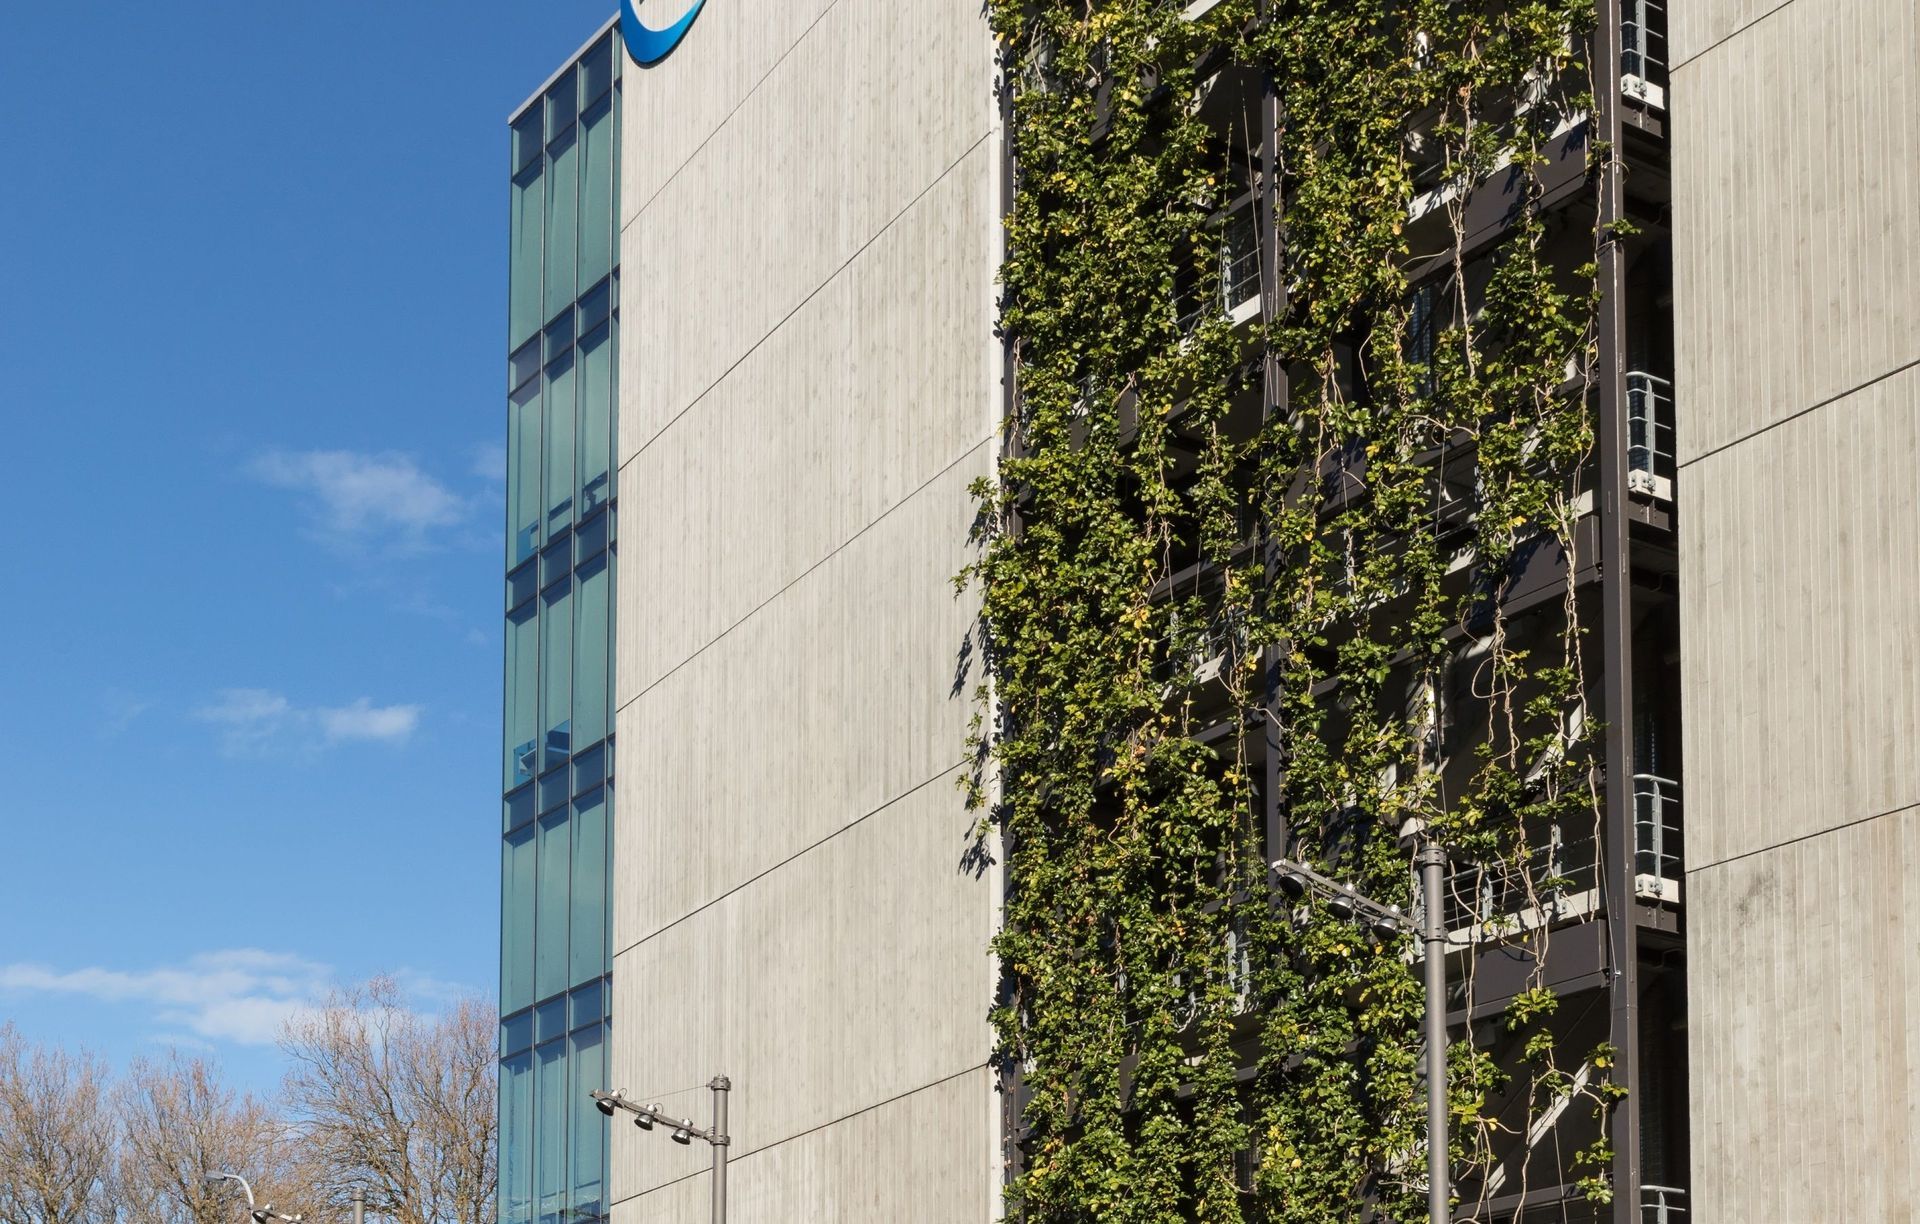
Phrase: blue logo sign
(647, 45)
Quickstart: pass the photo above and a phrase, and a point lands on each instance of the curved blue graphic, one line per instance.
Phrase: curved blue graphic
(647, 45)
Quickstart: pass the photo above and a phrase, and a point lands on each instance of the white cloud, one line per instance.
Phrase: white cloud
(241, 995)
(359, 498)
(257, 721)
(490, 462)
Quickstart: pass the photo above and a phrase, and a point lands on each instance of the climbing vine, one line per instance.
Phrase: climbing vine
(1296, 435)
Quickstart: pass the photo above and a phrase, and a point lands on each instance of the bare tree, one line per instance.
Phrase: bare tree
(398, 1103)
(56, 1136)
(179, 1124)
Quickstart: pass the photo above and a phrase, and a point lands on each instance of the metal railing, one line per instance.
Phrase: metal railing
(1500, 895)
(1662, 1205)
(1560, 877)
(1239, 273)
(1656, 830)
(1650, 461)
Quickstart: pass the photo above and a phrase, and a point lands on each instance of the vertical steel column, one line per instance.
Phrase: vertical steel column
(1273, 400)
(1617, 619)
(720, 1141)
(1433, 871)
(359, 1201)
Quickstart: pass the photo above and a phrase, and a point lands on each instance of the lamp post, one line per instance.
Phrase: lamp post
(261, 1213)
(1343, 902)
(684, 1131)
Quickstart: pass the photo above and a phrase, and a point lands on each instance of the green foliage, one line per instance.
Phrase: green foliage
(1153, 566)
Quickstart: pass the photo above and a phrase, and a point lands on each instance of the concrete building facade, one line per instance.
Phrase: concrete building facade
(809, 385)
(802, 296)
(1797, 319)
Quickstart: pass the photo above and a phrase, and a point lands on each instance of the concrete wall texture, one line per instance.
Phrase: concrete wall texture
(1797, 312)
(809, 382)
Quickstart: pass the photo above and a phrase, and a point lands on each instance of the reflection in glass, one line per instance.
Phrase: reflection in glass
(556, 675)
(596, 420)
(523, 473)
(516, 921)
(523, 664)
(589, 888)
(560, 383)
(524, 315)
(563, 222)
(550, 927)
(550, 1134)
(516, 1140)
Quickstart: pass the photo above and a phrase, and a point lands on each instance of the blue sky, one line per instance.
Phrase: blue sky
(252, 305)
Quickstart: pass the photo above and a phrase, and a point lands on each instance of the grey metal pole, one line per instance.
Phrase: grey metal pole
(720, 1141)
(1433, 866)
(359, 1201)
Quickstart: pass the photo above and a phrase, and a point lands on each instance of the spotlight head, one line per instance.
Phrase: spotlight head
(606, 1102)
(682, 1136)
(1292, 883)
(1386, 926)
(1340, 905)
(643, 1120)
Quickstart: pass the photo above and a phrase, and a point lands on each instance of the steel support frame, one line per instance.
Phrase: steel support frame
(1273, 402)
(1616, 617)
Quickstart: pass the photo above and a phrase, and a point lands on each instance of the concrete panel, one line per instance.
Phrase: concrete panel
(1804, 983)
(920, 1158)
(1694, 27)
(852, 404)
(1801, 625)
(846, 977)
(675, 106)
(876, 104)
(833, 700)
(1796, 277)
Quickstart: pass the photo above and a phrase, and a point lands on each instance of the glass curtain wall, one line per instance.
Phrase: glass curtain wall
(563, 322)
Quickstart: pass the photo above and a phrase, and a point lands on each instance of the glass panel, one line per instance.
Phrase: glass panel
(516, 1140)
(589, 1127)
(524, 364)
(524, 315)
(523, 662)
(553, 791)
(596, 71)
(556, 688)
(521, 586)
(519, 806)
(516, 1033)
(550, 1020)
(595, 305)
(563, 102)
(557, 561)
(560, 444)
(588, 1003)
(596, 200)
(523, 473)
(550, 926)
(563, 222)
(526, 139)
(592, 536)
(589, 768)
(596, 420)
(589, 887)
(550, 1134)
(516, 921)
(590, 655)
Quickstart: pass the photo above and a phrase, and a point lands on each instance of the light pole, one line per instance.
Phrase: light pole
(260, 1214)
(684, 1131)
(1343, 902)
